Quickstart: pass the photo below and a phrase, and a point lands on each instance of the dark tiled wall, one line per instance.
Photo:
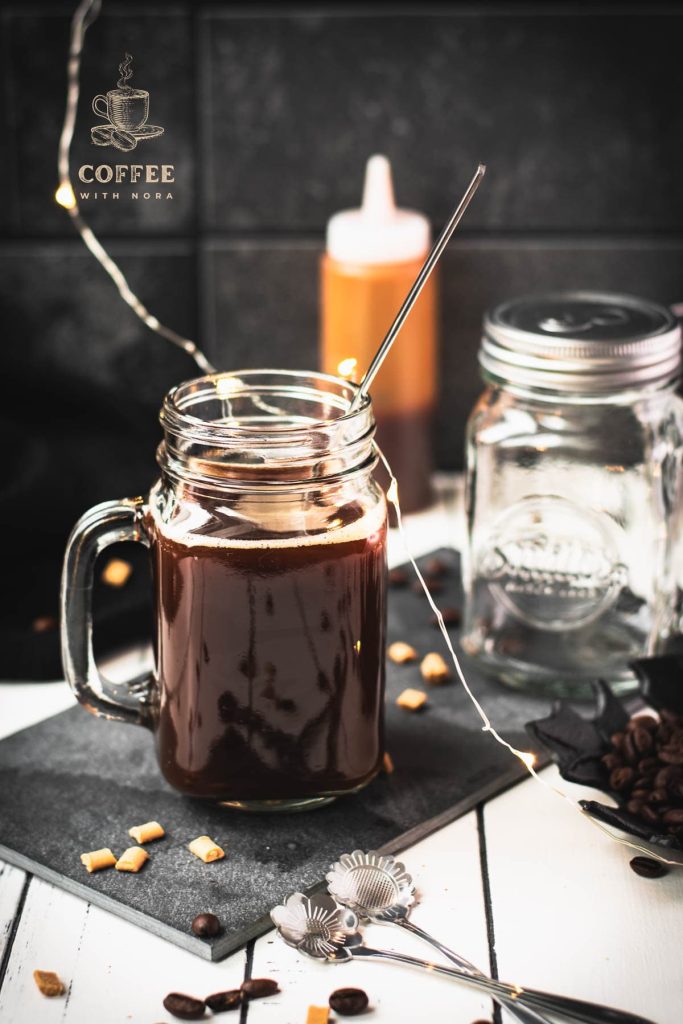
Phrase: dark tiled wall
(268, 120)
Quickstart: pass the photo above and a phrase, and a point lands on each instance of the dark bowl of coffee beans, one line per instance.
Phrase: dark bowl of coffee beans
(636, 758)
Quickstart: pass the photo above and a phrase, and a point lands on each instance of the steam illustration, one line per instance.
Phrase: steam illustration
(125, 71)
(125, 111)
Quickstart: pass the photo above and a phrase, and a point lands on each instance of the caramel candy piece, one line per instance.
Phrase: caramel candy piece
(412, 699)
(98, 859)
(434, 669)
(132, 859)
(205, 848)
(401, 653)
(116, 572)
(147, 832)
(318, 1015)
(49, 983)
(387, 763)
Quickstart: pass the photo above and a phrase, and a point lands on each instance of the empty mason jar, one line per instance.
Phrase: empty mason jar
(571, 568)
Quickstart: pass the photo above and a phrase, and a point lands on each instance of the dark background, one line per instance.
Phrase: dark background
(269, 116)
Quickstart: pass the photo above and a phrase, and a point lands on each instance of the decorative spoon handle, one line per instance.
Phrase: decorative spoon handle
(522, 1013)
(577, 1009)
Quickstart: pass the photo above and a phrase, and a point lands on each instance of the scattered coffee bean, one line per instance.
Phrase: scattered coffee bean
(642, 740)
(621, 778)
(434, 567)
(398, 578)
(259, 988)
(674, 816)
(349, 1002)
(646, 867)
(184, 1007)
(206, 926)
(451, 617)
(219, 1002)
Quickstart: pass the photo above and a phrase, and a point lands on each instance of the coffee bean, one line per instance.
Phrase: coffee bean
(398, 578)
(434, 567)
(349, 1002)
(616, 740)
(646, 722)
(259, 988)
(639, 793)
(671, 755)
(646, 867)
(674, 816)
(185, 1007)
(451, 617)
(611, 761)
(666, 776)
(219, 1002)
(649, 814)
(628, 748)
(642, 740)
(657, 796)
(676, 789)
(647, 765)
(634, 806)
(621, 778)
(206, 926)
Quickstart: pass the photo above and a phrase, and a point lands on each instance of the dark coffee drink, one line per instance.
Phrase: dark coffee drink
(271, 656)
(267, 531)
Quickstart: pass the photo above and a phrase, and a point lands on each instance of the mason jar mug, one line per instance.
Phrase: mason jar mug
(267, 535)
(572, 567)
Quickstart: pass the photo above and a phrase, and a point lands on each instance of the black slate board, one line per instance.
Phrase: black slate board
(75, 783)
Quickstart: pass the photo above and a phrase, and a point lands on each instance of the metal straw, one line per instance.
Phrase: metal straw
(419, 283)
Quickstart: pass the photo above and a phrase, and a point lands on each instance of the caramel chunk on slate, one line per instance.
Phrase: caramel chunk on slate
(401, 653)
(205, 848)
(98, 859)
(147, 832)
(434, 669)
(132, 859)
(411, 699)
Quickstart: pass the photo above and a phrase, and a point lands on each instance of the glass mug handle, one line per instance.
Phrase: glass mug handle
(102, 113)
(105, 524)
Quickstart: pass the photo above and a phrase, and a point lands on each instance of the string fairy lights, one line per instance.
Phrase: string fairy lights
(85, 14)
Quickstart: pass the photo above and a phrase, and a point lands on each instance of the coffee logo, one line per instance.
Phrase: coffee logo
(553, 563)
(126, 111)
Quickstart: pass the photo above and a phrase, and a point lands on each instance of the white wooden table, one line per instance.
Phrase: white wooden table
(523, 886)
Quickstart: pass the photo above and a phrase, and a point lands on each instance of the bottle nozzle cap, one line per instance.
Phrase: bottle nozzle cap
(378, 232)
(378, 189)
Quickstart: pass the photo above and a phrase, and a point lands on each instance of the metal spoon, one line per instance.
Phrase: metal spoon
(378, 888)
(320, 928)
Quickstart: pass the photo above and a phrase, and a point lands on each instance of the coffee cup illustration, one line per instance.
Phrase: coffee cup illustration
(126, 111)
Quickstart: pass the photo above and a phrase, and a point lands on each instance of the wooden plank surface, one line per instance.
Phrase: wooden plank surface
(12, 881)
(447, 870)
(113, 972)
(570, 915)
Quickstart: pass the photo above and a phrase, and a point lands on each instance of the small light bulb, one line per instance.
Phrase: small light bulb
(65, 196)
(347, 368)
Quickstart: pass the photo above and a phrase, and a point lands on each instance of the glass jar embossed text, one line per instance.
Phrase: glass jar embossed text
(574, 491)
(267, 534)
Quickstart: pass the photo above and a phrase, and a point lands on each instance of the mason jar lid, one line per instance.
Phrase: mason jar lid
(588, 342)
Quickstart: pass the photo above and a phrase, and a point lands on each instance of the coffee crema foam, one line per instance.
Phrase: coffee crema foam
(180, 532)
